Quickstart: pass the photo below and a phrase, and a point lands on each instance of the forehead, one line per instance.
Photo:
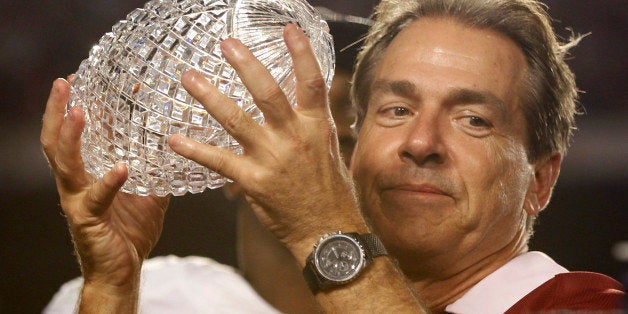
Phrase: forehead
(448, 53)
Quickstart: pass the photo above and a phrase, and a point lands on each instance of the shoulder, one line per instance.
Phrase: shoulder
(573, 291)
(172, 284)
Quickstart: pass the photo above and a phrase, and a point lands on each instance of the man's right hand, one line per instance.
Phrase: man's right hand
(113, 232)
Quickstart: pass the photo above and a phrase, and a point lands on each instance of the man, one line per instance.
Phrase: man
(467, 110)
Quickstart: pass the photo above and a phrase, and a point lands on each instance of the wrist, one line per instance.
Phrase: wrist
(105, 298)
(339, 258)
(112, 272)
(302, 248)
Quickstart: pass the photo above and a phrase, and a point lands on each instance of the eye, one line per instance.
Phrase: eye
(395, 112)
(393, 115)
(477, 122)
(475, 125)
(399, 111)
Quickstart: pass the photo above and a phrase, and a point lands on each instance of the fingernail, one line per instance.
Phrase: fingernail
(227, 45)
(229, 48)
(294, 31)
(55, 84)
(119, 168)
(189, 76)
(175, 140)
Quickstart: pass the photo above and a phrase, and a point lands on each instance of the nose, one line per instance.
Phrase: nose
(423, 144)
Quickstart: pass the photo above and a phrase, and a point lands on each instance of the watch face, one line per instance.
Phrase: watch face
(339, 258)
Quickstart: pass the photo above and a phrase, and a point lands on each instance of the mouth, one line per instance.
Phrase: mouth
(413, 194)
(419, 189)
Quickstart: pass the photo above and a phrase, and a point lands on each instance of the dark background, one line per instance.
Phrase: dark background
(43, 40)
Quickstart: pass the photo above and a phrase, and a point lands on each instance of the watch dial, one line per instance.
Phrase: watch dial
(339, 259)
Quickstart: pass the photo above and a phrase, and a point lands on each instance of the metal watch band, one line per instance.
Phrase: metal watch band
(372, 245)
(312, 279)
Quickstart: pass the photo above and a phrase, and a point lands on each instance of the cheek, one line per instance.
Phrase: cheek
(492, 173)
(497, 178)
(364, 151)
(516, 181)
(364, 161)
(373, 155)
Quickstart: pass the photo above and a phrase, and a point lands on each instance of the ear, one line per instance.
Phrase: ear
(540, 190)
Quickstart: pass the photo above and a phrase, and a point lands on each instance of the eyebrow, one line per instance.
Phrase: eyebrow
(458, 96)
(402, 88)
(470, 96)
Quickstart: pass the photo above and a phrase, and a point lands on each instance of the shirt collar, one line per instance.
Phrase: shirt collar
(500, 290)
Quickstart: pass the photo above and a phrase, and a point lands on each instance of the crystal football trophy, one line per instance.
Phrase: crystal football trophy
(130, 89)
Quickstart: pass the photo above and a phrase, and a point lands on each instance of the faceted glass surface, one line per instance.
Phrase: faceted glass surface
(130, 89)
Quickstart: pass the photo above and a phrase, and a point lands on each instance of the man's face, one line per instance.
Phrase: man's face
(441, 162)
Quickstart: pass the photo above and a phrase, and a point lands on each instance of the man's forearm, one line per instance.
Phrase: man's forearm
(381, 288)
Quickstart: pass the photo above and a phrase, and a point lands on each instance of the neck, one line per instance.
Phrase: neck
(439, 287)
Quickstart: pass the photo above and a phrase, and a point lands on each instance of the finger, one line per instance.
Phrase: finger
(311, 86)
(103, 191)
(53, 117)
(216, 158)
(235, 121)
(233, 191)
(267, 94)
(69, 164)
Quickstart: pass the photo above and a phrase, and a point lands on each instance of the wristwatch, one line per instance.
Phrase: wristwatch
(338, 258)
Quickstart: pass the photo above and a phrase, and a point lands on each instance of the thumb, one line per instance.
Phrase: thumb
(103, 191)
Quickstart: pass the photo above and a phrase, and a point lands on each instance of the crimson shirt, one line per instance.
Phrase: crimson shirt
(574, 291)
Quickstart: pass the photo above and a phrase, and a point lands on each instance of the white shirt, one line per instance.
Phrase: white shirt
(500, 290)
(171, 284)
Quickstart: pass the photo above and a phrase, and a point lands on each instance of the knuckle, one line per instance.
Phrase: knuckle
(218, 162)
(234, 120)
(108, 182)
(258, 178)
(65, 169)
(271, 95)
(207, 96)
(316, 84)
(61, 168)
(96, 200)
(46, 142)
(248, 61)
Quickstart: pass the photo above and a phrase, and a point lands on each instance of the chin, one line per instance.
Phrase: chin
(417, 214)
